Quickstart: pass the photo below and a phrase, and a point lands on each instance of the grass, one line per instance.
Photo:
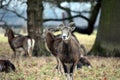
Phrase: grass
(42, 68)
(3, 38)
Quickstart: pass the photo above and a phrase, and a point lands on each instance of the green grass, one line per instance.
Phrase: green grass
(42, 68)
(3, 38)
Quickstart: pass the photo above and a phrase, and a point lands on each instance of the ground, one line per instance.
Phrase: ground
(43, 68)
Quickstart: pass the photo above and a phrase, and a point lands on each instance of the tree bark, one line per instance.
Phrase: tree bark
(35, 20)
(108, 39)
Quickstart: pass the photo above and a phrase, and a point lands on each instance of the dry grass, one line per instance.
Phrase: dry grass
(42, 68)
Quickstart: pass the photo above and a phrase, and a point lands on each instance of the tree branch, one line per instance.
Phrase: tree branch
(67, 9)
(19, 15)
(45, 20)
(1, 3)
(92, 20)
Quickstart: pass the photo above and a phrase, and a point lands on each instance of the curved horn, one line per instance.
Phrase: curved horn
(60, 26)
(71, 24)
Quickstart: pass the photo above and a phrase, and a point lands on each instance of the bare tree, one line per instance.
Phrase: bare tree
(35, 20)
(91, 21)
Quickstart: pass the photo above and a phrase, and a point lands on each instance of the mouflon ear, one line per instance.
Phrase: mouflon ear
(72, 26)
(60, 26)
(52, 29)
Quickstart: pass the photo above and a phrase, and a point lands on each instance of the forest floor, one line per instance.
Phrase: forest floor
(43, 68)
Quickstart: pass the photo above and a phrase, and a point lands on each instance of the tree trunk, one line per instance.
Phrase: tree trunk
(108, 39)
(35, 20)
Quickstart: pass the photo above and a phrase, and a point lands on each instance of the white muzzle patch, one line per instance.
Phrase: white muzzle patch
(65, 37)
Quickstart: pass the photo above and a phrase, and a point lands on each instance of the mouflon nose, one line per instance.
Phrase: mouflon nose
(64, 37)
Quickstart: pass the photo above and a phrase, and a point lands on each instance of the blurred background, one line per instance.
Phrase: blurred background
(14, 13)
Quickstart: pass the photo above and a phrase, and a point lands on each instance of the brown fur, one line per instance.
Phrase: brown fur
(54, 45)
(83, 61)
(6, 66)
(17, 42)
(52, 42)
(69, 53)
(69, 50)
